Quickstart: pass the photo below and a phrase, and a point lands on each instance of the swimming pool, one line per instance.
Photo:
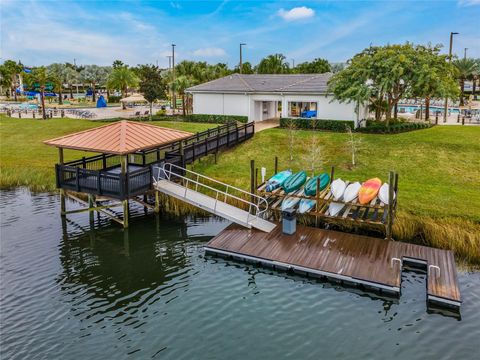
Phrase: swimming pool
(20, 106)
(433, 109)
(28, 106)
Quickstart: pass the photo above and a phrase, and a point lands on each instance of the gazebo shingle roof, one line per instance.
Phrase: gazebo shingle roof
(120, 138)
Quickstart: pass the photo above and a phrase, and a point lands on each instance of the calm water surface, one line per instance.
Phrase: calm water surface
(69, 292)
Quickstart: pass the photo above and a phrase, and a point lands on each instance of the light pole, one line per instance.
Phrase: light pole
(241, 63)
(465, 53)
(75, 67)
(173, 77)
(445, 108)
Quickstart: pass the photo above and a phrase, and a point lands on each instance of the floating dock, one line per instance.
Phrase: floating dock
(352, 259)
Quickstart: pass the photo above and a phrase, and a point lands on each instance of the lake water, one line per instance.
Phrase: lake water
(69, 292)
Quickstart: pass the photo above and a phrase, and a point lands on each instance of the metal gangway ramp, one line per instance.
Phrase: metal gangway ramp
(190, 189)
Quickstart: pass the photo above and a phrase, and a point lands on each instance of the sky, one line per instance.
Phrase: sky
(139, 32)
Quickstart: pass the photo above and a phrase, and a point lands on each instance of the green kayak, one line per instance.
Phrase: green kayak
(294, 182)
(311, 185)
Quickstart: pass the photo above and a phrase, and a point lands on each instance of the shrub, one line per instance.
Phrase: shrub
(379, 127)
(202, 118)
(114, 99)
(320, 124)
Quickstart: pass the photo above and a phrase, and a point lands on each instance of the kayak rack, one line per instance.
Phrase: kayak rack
(374, 215)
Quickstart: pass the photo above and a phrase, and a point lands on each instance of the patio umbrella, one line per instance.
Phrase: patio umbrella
(134, 98)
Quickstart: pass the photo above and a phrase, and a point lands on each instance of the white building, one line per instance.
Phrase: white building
(262, 97)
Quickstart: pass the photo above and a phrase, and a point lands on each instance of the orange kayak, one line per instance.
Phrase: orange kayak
(369, 190)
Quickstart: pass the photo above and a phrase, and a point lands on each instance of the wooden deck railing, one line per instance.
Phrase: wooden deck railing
(93, 174)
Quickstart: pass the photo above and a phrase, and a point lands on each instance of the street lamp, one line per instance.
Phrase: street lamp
(445, 108)
(174, 99)
(465, 53)
(241, 64)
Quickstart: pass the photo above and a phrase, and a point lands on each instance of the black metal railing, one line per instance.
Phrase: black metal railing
(96, 174)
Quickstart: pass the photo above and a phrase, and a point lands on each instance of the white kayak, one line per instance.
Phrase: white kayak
(383, 193)
(290, 202)
(305, 205)
(337, 188)
(335, 208)
(351, 192)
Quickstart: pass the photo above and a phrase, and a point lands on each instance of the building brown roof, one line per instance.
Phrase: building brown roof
(120, 138)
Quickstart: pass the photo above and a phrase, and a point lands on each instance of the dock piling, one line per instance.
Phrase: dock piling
(63, 208)
(125, 213)
(391, 180)
(317, 196)
(157, 202)
(252, 180)
(91, 205)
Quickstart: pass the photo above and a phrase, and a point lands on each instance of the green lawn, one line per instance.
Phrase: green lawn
(439, 170)
(26, 161)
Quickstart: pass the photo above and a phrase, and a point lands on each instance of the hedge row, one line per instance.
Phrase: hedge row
(318, 124)
(381, 128)
(114, 99)
(202, 118)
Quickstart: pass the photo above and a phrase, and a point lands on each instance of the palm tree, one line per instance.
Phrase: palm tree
(273, 64)
(475, 77)
(71, 76)
(465, 70)
(39, 76)
(180, 85)
(94, 75)
(56, 73)
(10, 72)
(121, 78)
(246, 68)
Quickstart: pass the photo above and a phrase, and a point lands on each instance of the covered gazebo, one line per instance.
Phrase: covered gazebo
(126, 152)
(134, 98)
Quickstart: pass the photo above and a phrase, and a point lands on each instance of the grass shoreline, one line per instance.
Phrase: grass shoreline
(439, 170)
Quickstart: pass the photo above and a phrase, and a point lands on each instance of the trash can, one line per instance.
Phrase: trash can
(289, 221)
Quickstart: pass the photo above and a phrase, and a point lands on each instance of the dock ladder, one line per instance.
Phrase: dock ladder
(191, 189)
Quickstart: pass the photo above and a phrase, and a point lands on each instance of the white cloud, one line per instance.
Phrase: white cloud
(343, 29)
(468, 2)
(76, 35)
(297, 13)
(209, 52)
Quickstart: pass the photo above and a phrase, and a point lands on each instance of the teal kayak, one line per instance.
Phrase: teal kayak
(277, 180)
(311, 185)
(294, 182)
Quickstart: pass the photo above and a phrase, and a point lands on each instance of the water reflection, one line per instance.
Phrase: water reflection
(114, 263)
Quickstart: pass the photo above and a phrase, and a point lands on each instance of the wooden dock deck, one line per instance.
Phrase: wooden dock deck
(353, 259)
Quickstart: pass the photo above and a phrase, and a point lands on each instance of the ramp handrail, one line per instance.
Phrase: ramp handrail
(167, 171)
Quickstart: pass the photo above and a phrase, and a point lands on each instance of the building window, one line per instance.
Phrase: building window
(302, 109)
